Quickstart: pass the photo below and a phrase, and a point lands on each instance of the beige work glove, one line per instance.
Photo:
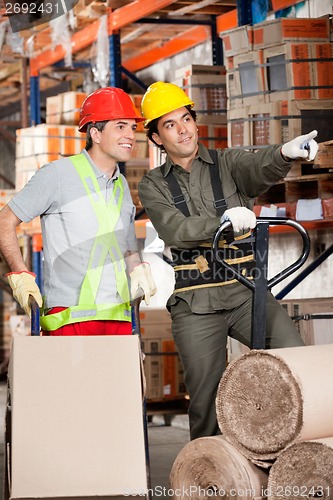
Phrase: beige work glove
(303, 146)
(240, 218)
(142, 282)
(23, 285)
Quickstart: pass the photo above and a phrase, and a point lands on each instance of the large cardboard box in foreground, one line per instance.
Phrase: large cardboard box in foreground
(76, 424)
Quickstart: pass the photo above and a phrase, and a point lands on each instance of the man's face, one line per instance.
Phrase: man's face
(117, 139)
(178, 133)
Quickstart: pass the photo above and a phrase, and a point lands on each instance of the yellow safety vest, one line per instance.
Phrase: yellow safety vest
(105, 244)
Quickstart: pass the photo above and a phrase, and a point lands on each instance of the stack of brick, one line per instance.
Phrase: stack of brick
(280, 85)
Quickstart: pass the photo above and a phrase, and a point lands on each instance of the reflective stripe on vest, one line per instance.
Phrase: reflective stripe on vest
(105, 243)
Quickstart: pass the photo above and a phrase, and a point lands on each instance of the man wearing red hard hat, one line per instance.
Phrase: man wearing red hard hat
(92, 267)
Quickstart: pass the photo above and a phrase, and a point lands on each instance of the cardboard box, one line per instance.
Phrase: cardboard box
(235, 98)
(152, 366)
(209, 94)
(327, 208)
(155, 323)
(199, 69)
(170, 369)
(250, 72)
(282, 30)
(264, 128)
(237, 41)
(64, 108)
(301, 116)
(163, 370)
(289, 72)
(75, 402)
(45, 143)
(54, 109)
(239, 129)
(213, 136)
(71, 105)
(71, 141)
(322, 54)
(140, 151)
(314, 331)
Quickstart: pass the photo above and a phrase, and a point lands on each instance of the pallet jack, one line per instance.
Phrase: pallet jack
(260, 284)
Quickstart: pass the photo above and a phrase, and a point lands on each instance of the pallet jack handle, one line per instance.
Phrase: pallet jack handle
(35, 317)
(260, 284)
(136, 330)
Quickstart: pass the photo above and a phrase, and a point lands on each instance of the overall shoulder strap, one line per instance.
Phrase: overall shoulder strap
(176, 192)
(219, 201)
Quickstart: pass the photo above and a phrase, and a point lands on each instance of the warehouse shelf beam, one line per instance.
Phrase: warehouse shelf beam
(244, 9)
(134, 78)
(133, 12)
(303, 274)
(187, 40)
(115, 60)
(35, 117)
(173, 20)
(226, 21)
(84, 38)
(217, 47)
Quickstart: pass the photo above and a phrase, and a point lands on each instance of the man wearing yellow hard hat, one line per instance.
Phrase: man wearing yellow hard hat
(186, 199)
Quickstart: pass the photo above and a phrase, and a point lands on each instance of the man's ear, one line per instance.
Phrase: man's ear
(157, 139)
(94, 134)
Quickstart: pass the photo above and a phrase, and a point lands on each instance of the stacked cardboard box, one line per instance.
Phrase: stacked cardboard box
(164, 375)
(284, 61)
(206, 87)
(64, 109)
(313, 318)
(280, 85)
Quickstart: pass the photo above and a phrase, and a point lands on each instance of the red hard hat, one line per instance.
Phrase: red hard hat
(108, 103)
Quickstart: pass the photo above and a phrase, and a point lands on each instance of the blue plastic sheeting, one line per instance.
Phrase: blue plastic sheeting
(260, 9)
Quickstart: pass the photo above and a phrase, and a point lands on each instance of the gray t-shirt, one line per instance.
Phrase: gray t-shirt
(69, 227)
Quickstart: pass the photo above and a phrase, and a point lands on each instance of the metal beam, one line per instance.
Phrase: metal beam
(115, 60)
(135, 10)
(227, 21)
(185, 41)
(244, 9)
(35, 117)
(302, 275)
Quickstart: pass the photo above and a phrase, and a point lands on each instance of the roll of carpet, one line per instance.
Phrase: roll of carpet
(268, 400)
(304, 470)
(211, 467)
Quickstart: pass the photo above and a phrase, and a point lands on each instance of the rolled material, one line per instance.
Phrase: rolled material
(267, 400)
(304, 470)
(211, 467)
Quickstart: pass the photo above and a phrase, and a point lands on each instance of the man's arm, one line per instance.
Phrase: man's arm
(20, 279)
(9, 246)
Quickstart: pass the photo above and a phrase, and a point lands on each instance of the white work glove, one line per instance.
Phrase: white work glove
(303, 146)
(23, 285)
(142, 282)
(240, 218)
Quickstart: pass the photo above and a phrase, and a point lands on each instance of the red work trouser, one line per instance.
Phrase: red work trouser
(97, 327)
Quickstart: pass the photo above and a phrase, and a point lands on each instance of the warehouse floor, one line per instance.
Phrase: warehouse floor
(165, 442)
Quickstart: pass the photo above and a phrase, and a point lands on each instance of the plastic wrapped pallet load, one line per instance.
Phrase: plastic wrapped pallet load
(304, 469)
(268, 400)
(211, 467)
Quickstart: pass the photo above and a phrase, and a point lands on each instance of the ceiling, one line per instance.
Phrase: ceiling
(141, 43)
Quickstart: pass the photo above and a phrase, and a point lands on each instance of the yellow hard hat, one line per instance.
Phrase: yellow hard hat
(161, 98)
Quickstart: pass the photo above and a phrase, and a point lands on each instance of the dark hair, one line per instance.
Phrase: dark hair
(152, 126)
(100, 126)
